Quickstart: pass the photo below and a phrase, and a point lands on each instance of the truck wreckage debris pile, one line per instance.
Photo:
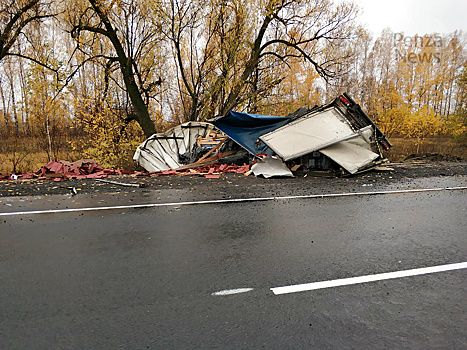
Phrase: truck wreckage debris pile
(337, 137)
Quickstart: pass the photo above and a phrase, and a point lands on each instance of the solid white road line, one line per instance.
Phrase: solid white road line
(365, 279)
(238, 200)
(232, 291)
(136, 206)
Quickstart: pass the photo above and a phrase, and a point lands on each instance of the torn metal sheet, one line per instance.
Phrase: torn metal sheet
(365, 139)
(271, 166)
(352, 155)
(164, 151)
(309, 133)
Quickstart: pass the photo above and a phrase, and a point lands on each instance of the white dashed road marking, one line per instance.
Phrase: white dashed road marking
(353, 280)
(233, 291)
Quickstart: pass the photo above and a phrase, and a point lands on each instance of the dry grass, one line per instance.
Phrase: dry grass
(30, 162)
(25, 155)
(445, 146)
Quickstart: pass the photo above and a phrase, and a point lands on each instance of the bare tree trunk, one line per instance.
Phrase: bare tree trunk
(24, 94)
(13, 102)
(49, 139)
(6, 115)
(141, 113)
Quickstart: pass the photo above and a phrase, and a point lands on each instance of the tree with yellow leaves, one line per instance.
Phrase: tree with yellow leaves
(420, 124)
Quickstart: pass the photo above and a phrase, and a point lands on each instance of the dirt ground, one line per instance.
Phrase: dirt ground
(236, 185)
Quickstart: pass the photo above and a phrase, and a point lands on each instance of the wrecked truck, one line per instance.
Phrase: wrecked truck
(338, 136)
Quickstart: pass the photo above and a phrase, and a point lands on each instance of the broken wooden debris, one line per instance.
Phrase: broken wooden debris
(213, 139)
(203, 170)
(295, 167)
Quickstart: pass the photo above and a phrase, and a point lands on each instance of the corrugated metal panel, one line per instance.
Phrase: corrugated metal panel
(162, 151)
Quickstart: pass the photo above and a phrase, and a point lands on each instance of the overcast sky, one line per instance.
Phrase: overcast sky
(413, 16)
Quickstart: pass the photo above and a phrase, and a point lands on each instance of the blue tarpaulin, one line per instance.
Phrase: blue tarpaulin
(245, 129)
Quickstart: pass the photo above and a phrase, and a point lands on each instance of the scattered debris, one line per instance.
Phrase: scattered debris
(62, 170)
(81, 169)
(74, 192)
(383, 168)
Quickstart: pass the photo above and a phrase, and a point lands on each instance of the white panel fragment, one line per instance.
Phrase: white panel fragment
(271, 166)
(309, 133)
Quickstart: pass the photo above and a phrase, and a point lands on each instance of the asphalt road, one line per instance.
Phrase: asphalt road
(145, 278)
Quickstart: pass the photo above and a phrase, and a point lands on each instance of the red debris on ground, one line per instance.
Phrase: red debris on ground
(81, 169)
(89, 169)
(59, 171)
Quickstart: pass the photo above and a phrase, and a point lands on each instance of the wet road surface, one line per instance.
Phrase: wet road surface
(145, 278)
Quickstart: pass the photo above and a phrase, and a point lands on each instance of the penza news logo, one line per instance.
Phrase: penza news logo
(418, 49)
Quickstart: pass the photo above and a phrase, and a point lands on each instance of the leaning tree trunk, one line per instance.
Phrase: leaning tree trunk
(140, 108)
(126, 67)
